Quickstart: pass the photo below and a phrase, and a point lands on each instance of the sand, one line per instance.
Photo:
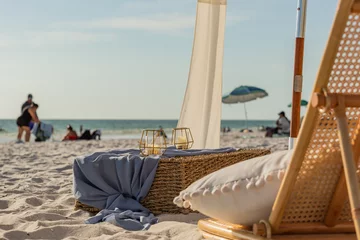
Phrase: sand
(36, 199)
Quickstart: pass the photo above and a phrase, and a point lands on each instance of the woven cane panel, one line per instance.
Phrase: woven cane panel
(345, 77)
(322, 166)
(345, 215)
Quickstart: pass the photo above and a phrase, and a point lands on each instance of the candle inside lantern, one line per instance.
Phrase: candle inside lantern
(152, 143)
(181, 142)
(156, 149)
(153, 149)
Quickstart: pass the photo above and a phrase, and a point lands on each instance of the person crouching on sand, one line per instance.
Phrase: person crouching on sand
(282, 126)
(23, 122)
(71, 135)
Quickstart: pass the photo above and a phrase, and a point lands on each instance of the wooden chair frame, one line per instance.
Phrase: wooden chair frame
(347, 187)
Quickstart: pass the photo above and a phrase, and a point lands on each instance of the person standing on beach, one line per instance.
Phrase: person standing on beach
(28, 103)
(23, 122)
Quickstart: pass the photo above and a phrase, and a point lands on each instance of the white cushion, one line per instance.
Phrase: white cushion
(243, 193)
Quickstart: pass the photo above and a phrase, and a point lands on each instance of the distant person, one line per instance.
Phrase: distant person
(96, 134)
(28, 103)
(261, 129)
(23, 122)
(163, 132)
(71, 134)
(246, 130)
(282, 126)
(87, 135)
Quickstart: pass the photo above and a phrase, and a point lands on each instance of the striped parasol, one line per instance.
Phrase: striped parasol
(244, 94)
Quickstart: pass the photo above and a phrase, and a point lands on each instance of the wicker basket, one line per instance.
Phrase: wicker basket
(175, 174)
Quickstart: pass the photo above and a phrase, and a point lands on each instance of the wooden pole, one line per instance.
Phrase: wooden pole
(246, 117)
(352, 181)
(298, 71)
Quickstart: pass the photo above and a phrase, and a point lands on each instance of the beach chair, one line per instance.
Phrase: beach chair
(319, 197)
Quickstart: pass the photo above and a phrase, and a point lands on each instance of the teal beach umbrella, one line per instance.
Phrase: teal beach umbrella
(244, 94)
(303, 103)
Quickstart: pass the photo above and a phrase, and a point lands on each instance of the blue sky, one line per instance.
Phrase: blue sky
(129, 59)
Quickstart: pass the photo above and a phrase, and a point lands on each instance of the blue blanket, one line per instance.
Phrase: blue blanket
(118, 180)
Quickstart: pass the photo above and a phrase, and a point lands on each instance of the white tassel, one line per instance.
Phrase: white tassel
(216, 192)
(269, 177)
(178, 202)
(250, 185)
(236, 187)
(281, 174)
(186, 204)
(186, 196)
(260, 183)
(195, 194)
(206, 193)
(225, 189)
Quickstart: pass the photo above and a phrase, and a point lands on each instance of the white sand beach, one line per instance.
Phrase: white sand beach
(36, 200)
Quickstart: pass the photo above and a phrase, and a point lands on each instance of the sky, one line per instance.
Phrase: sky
(129, 59)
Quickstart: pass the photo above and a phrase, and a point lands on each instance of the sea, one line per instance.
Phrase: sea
(119, 129)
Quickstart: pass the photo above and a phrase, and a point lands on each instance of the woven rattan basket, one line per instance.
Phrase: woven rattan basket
(175, 174)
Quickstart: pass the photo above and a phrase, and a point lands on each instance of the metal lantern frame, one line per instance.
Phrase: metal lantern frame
(152, 148)
(183, 132)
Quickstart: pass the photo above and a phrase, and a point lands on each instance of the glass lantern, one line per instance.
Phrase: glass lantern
(152, 142)
(182, 138)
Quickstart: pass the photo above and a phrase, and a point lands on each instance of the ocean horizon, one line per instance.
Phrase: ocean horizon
(117, 129)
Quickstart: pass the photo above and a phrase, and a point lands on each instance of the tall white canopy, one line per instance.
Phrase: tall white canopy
(201, 110)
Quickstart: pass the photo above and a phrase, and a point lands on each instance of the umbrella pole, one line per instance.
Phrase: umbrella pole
(298, 71)
(246, 118)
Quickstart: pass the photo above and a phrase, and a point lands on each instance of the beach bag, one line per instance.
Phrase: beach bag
(42, 131)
